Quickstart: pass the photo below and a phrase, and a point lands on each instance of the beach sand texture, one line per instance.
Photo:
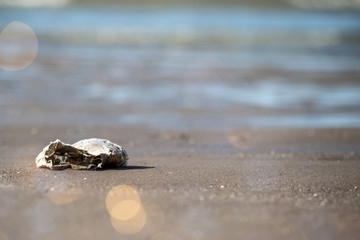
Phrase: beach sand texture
(239, 123)
(299, 184)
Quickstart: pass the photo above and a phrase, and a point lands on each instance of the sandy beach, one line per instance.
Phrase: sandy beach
(250, 184)
(241, 122)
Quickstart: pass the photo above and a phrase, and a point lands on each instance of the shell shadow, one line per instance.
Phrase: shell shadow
(131, 167)
(134, 167)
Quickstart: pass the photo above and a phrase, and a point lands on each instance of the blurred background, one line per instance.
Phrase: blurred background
(180, 64)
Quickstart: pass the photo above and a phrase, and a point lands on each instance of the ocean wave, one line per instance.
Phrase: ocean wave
(193, 38)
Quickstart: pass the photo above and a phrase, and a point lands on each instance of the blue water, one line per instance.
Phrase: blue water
(269, 93)
(174, 18)
(237, 67)
(200, 26)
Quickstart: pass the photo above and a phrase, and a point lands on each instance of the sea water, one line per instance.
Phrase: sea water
(183, 67)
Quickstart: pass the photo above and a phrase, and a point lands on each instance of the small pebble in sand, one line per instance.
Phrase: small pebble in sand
(222, 186)
(315, 195)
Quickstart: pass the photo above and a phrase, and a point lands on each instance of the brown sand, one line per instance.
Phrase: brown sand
(239, 184)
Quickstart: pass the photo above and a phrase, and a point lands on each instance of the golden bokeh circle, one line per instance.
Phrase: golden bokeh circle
(123, 202)
(132, 225)
(125, 209)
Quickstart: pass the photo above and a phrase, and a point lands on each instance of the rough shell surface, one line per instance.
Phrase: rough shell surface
(90, 153)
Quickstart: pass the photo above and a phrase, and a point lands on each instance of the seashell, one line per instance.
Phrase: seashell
(87, 154)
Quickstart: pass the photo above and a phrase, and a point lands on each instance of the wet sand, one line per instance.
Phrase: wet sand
(238, 184)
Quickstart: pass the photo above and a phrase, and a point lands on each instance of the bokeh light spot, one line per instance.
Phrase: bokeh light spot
(56, 187)
(123, 202)
(18, 46)
(63, 196)
(124, 206)
(132, 225)
(125, 209)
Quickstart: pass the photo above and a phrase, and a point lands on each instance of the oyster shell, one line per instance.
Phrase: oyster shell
(88, 154)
